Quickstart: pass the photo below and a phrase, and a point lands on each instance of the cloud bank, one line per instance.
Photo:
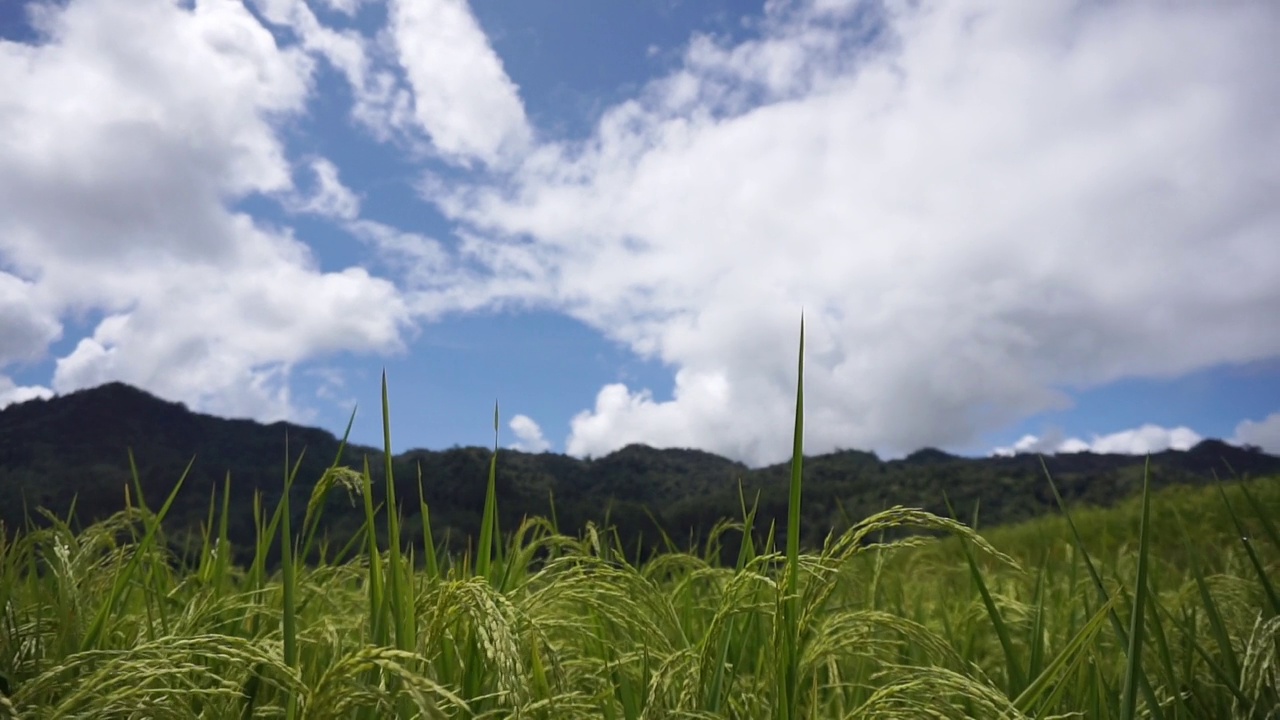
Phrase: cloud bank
(1137, 441)
(980, 207)
(1263, 433)
(127, 133)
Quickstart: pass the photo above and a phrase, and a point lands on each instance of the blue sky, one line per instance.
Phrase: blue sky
(1009, 228)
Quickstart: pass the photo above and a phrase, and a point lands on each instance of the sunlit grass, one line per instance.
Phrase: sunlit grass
(1165, 607)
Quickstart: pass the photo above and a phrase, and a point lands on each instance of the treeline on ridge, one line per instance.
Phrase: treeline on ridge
(69, 455)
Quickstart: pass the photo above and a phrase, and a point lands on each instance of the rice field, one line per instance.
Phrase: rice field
(1164, 608)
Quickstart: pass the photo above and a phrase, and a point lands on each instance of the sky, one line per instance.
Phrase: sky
(1009, 227)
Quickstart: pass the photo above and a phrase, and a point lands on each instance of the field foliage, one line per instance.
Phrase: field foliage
(1165, 607)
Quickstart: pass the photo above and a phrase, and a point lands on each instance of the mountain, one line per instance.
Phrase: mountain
(76, 448)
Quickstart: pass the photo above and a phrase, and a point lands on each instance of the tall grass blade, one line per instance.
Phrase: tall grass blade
(1044, 690)
(289, 580)
(790, 696)
(488, 521)
(1137, 624)
(428, 539)
(124, 578)
(378, 630)
(1263, 578)
(1013, 665)
(1122, 635)
(399, 595)
(401, 600)
(311, 522)
(1217, 626)
(1263, 516)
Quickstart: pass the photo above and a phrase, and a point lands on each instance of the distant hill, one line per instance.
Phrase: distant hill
(74, 447)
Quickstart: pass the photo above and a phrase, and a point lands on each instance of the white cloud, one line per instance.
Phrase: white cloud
(26, 328)
(1137, 441)
(462, 97)
(1146, 439)
(125, 133)
(11, 393)
(621, 416)
(1263, 433)
(979, 205)
(380, 104)
(1051, 442)
(528, 435)
(227, 344)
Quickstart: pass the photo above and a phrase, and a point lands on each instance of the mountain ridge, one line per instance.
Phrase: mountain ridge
(73, 450)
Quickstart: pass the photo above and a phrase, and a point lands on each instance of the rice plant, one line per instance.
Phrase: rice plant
(1162, 608)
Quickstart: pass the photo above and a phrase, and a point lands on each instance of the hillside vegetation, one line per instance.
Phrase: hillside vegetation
(71, 456)
(1163, 611)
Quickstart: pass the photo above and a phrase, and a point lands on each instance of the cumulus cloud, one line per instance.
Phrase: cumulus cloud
(528, 435)
(621, 416)
(1137, 441)
(127, 130)
(227, 344)
(980, 206)
(462, 97)
(1263, 433)
(12, 393)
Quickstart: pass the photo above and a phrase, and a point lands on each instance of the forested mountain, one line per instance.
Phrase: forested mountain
(75, 449)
